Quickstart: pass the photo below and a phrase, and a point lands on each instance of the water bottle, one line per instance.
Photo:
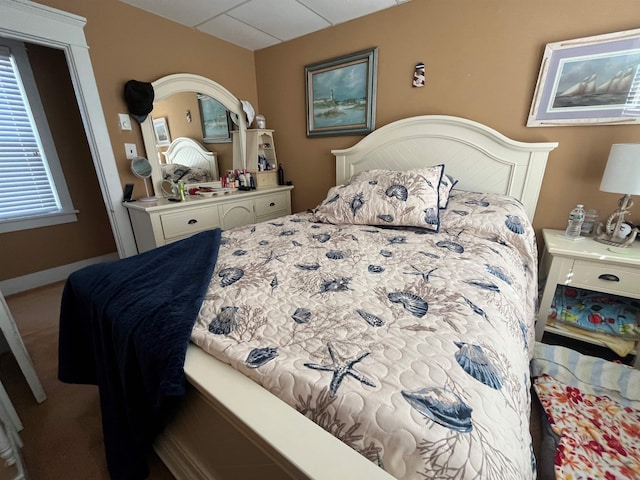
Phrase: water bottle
(576, 218)
(591, 219)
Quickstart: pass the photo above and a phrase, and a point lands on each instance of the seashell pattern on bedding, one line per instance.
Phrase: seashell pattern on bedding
(412, 348)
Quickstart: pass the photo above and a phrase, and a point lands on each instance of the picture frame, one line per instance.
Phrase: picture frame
(589, 81)
(341, 94)
(161, 129)
(215, 120)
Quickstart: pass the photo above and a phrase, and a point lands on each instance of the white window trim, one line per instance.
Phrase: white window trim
(36, 23)
(68, 212)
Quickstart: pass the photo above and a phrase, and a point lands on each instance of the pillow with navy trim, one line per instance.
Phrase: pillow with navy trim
(446, 185)
(386, 197)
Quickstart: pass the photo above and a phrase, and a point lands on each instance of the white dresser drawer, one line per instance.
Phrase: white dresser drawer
(188, 222)
(600, 277)
(269, 205)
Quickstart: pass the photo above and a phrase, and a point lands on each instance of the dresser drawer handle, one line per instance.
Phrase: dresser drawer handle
(272, 204)
(609, 277)
(192, 221)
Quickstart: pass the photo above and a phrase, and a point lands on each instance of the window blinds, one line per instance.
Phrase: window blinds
(26, 188)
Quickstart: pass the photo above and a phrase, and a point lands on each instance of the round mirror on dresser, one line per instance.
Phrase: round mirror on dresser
(141, 168)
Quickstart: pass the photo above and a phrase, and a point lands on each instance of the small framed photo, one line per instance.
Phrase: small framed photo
(589, 81)
(341, 95)
(163, 138)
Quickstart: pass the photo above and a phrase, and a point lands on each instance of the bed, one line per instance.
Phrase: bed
(188, 161)
(275, 440)
(422, 314)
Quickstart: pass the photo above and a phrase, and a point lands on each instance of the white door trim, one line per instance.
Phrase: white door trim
(31, 22)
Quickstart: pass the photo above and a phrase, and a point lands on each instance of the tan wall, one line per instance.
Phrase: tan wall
(38, 249)
(124, 43)
(481, 57)
(482, 60)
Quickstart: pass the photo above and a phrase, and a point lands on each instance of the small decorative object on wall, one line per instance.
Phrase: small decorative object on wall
(215, 120)
(341, 94)
(418, 75)
(589, 81)
(163, 139)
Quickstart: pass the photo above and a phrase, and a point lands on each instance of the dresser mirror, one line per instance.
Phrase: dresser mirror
(185, 83)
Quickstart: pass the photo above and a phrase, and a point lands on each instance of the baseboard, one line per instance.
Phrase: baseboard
(52, 275)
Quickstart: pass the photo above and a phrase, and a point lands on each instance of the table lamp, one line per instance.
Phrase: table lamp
(621, 175)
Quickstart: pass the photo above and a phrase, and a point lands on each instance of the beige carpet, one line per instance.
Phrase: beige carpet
(63, 435)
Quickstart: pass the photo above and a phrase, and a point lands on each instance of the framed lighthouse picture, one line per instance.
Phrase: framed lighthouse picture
(589, 81)
(341, 95)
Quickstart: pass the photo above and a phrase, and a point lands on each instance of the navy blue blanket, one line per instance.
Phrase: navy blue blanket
(125, 326)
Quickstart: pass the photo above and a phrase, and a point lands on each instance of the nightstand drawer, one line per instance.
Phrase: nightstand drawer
(188, 222)
(614, 279)
(270, 204)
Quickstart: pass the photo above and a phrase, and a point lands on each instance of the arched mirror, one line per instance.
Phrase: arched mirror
(181, 83)
(141, 168)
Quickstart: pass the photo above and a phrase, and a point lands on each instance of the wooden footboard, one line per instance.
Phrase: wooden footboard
(229, 427)
(201, 444)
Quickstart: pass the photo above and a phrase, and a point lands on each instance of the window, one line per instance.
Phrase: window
(33, 192)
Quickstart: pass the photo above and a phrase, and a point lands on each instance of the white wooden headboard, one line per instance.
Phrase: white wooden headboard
(188, 152)
(479, 157)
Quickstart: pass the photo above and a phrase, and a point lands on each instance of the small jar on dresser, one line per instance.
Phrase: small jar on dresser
(589, 265)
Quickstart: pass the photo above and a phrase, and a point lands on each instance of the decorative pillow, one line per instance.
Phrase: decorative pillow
(446, 184)
(197, 175)
(385, 197)
(174, 172)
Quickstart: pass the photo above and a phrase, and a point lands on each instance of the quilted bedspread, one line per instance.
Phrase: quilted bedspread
(412, 347)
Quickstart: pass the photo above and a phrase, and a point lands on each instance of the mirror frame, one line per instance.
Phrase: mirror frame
(186, 82)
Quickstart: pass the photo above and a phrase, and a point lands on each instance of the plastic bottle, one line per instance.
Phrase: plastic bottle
(591, 219)
(280, 175)
(576, 218)
(251, 184)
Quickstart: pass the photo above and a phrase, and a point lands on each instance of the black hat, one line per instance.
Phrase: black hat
(139, 97)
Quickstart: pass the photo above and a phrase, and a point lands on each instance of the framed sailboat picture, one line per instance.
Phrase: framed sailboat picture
(589, 81)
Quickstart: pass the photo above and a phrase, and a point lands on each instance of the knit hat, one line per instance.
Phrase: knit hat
(139, 97)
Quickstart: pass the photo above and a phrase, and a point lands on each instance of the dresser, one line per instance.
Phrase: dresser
(162, 222)
(589, 265)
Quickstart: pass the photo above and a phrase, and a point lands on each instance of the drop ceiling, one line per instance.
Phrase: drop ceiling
(256, 24)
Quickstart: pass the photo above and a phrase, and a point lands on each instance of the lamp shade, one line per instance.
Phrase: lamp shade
(622, 173)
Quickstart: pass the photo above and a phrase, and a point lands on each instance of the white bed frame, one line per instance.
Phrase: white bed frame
(188, 152)
(229, 426)
(481, 158)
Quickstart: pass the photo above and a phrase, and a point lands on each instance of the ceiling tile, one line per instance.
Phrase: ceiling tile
(256, 24)
(236, 32)
(190, 13)
(345, 10)
(284, 19)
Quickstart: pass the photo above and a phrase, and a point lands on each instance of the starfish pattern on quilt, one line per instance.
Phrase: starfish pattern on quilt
(341, 370)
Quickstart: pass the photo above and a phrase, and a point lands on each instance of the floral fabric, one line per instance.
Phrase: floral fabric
(600, 438)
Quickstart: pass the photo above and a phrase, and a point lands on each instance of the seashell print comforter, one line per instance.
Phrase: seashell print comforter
(412, 347)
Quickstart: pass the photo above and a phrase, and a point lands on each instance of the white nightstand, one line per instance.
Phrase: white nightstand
(589, 265)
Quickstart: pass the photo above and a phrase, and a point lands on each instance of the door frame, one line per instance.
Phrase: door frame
(31, 22)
